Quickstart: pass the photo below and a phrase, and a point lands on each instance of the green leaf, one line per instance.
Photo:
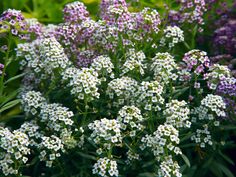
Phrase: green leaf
(179, 92)
(14, 78)
(148, 163)
(186, 160)
(7, 98)
(87, 156)
(226, 171)
(147, 174)
(226, 158)
(10, 105)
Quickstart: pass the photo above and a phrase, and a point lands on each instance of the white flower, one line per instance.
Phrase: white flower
(13, 147)
(103, 66)
(150, 95)
(216, 74)
(105, 167)
(32, 101)
(164, 67)
(177, 114)
(130, 119)
(165, 137)
(106, 132)
(83, 82)
(211, 105)
(123, 88)
(169, 168)
(172, 36)
(202, 137)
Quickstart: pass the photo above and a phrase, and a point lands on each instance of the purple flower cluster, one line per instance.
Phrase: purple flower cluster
(13, 21)
(148, 20)
(196, 61)
(79, 30)
(227, 87)
(34, 27)
(104, 5)
(191, 11)
(75, 12)
(1, 68)
(225, 37)
(119, 16)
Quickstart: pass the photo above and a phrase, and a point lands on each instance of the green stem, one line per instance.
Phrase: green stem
(5, 64)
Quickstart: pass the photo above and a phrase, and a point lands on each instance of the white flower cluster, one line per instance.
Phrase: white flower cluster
(211, 104)
(84, 82)
(165, 137)
(169, 168)
(105, 167)
(124, 88)
(51, 148)
(134, 62)
(172, 35)
(29, 52)
(103, 66)
(13, 151)
(32, 101)
(53, 56)
(55, 116)
(150, 95)
(33, 131)
(163, 65)
(69, 73)
(68, 140)
(105, 36)
(131, 156)
(106, 132)
(177, 114)
(130, 119)
(216, 74)
(202, 137)
(52, 131)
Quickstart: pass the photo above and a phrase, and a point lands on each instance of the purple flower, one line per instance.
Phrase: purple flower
(75, 12)
(13, 21)
(196, 61)
(1, 68)
(227, 87)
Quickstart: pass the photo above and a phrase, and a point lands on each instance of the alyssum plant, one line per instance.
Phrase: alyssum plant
(114, 97)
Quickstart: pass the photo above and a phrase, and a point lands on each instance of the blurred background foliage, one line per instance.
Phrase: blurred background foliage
(50, 11)
(46, 11)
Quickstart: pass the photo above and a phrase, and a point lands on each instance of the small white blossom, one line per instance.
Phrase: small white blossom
(169, 168)
(164, 67)
(177, 114)
(13, 147)
(105, 167)
(130, 118)
(150, 95)
(165, 137)
(106, 132)
(172, 36)
(83, 82)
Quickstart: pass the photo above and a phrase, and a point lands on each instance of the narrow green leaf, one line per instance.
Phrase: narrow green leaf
(186, 160)
(14, 78)
(226, 158)
(86, 156)
(9, 105)
(9, 97)
(148, 164)
(147, 174)
(226, 171)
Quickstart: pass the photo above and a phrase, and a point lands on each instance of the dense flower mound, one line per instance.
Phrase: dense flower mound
(107, 96)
